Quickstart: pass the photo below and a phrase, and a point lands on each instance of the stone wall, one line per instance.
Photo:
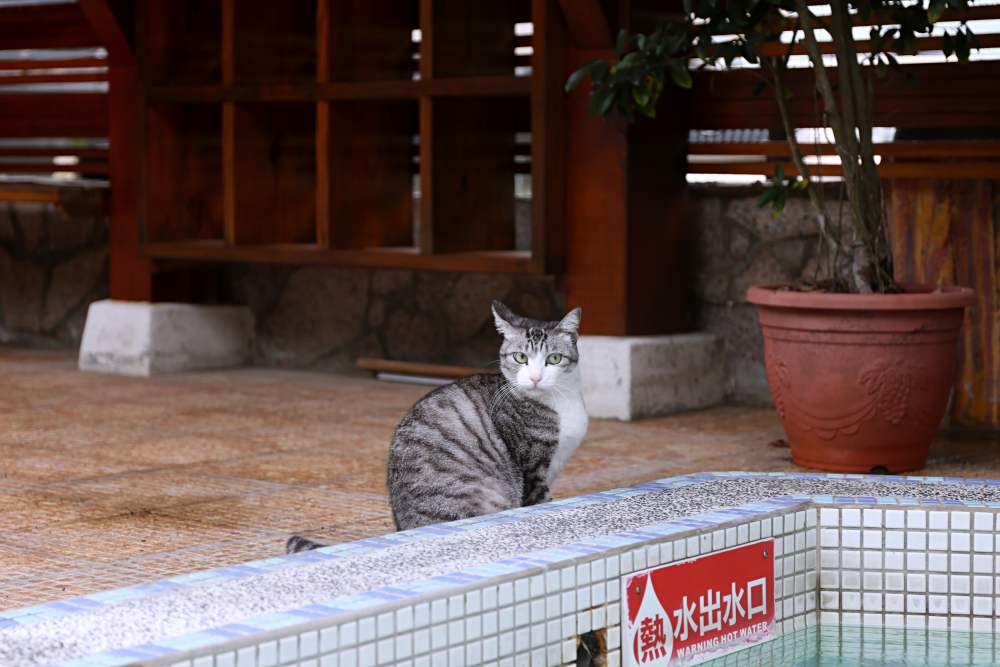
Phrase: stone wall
(326, 317)
(53, 263)
(740, 245)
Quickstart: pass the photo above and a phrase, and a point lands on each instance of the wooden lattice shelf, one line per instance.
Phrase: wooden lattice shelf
(364, 132)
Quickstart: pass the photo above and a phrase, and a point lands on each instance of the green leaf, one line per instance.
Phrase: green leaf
(679, 74)
(622, 42)
(576, 77)
(935, 10)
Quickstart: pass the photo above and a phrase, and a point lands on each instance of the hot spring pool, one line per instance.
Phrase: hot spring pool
(845, 646)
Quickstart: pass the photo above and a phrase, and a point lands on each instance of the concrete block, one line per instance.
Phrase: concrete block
(137, 338)
(632, 377)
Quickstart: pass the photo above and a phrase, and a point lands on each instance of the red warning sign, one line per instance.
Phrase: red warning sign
(698, 609)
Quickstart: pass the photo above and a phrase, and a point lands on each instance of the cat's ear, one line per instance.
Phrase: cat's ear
(502, 317)
(571, 322)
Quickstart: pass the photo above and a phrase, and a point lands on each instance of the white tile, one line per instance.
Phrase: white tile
(422, 661)
(982, 585)
(568, 577)
(980, 624)
(404, 645)
(612, 566)
(960, 563)
(850, 601)
(800, 520)
(639, 559)
(742, 534)
(614, 659)
(829, 579)
(597, 596)
(937, 583)
(626, 560)
(490, 623)
(652, 555)
(893, 560)
(537, 635)
(348, 658)
(960, 604)
(439, 659)
(893, 581)
(568, 603)
(937, 541)
(983, 521)
(960, 624)
(439, 636)
(456, 606)
(872, 518)
(490, 597)
(718, 540)
(829, 558)
(599, 617)
(328, 639)
(386, 651)
(850, 618)
(850, 517)
(961, 584)
(473, 627)
(871, 581)
(583, 622)
(937, 562)
(916, 560)
(829, 537)
(267, 654)
(765, 528)
(872, 539)
(569, 651)
(829, 618)
(872, 601)
(982, 564)
(873, 560)
(894, 539)
(916, 519)
(982, 606)
(366, 655)
(309, 644)
(983, 542)
(422, 641)
(473, 602)
(894, 519)
(538, 610)
(614, 613)
(960, 541)
(916, 583)
(569, 625)
(505, 593)
(491, 648)
(937, 604)
(552, 607)
(961, 520)
(850, 559)
(522, 639)
(538, 585)
(931, 622)
(894, 620)
(456, 657)
(937, 520)
(522, 589)
(613, 591)
(474, 653)
(385, 625)
(778, 525)
(328, 660)
(614, 636)
(522, 614)
(582, 574)
(754, 530)
(704, 543)
(247, 657)
(894, 602)
(916, 540)
(439, 611)
(731, 537)
(597, 569)
(871, 619)
(404, 619)
(349, 633)
(582, 598)
(916, 603)
(811, 517)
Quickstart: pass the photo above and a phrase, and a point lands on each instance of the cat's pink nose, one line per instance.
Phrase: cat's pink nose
(536, 379)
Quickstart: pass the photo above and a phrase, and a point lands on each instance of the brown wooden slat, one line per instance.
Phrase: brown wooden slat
(955, 170)
(49, 196)
(54, 115)
(501, 86)
(413, 368)
(109, 29)
(864, 45)
(924, 95)
(34, 151)
(36, 168)
(89, 77)
(56, 26)
(52, 63)
(511, 261)
(930, 148)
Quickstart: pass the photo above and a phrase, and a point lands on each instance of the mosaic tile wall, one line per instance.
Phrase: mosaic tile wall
(533, 619)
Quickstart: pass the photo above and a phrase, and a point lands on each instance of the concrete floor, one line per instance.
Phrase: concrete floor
(107, 481)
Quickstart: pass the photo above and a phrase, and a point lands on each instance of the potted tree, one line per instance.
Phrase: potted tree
(860, 367)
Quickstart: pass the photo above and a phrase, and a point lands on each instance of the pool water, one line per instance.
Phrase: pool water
(836, 646)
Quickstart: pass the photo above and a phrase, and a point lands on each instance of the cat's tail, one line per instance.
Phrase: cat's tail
(297, 543)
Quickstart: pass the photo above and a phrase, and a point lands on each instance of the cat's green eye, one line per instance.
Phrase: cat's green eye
(520, 357)
(554, 359)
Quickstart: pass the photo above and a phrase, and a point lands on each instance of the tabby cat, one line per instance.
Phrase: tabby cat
(487, 443)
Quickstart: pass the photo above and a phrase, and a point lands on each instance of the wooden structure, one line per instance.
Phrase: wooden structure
(398, 133)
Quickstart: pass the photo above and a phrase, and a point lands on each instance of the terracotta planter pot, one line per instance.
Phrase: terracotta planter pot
(861, 381)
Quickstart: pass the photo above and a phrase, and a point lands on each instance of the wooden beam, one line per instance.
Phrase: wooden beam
(588, 26)
(413, 368)
(75, 115)
(112, 34)
(923, 148)
(48, 26)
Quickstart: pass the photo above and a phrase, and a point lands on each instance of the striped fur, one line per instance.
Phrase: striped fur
(488, 443)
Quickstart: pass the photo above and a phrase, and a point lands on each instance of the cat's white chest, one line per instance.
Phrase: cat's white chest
(572, 428)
